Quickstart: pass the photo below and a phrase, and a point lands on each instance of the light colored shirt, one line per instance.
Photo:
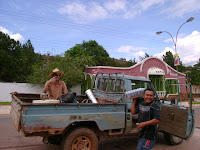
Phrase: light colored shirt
(55, 90)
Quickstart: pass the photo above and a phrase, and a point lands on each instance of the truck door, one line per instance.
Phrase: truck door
(176, 119)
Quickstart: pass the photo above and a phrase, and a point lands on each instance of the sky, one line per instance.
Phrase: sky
(125, 28)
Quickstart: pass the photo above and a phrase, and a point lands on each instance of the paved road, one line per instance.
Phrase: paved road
(10, 139)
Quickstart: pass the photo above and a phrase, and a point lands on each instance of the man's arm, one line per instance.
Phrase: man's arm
(133, 106)
(45, 89)
(65, 91)
(146, 123)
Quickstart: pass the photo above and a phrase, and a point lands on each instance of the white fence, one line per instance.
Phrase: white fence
(7, 88)
(195, 89)
(161, 93)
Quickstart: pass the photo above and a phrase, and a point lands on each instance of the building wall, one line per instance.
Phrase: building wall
(7, 88)
(141, 70)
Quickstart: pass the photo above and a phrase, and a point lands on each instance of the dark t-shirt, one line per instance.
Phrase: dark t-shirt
(148, 112)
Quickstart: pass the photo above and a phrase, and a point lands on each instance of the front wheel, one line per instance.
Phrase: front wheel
(80, 139)
(172, 140)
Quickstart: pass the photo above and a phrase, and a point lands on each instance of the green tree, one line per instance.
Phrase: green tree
(16, 60)
(194, 74)
(90, 48)
(169, 59)
(73, 67)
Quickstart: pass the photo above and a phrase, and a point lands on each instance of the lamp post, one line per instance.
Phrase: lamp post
(175, 44)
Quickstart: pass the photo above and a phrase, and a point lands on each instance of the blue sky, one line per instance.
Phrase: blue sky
(125, 28)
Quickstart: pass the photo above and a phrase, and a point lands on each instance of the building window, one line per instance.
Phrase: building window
(158, 82)
(173, 88)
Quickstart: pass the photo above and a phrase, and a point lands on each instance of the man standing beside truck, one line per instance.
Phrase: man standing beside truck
(55, 87)
(148, 117)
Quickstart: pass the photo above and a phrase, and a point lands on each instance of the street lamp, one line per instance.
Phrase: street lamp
(175, 44)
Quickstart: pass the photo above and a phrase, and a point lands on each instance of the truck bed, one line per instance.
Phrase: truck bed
(51, 119)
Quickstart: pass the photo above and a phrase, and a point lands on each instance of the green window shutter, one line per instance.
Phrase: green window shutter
(173, 88)
(158, 82)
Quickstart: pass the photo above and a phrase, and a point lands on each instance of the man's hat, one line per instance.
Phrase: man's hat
(56, 70)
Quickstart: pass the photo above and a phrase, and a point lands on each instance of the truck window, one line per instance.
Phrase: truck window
(139, 84)
(104, 84)
(119, 85)
(111, 85)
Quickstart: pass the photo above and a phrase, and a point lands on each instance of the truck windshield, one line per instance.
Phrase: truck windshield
(110, 85)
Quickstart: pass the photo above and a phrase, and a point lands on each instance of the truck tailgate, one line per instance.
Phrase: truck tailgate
(15, 112)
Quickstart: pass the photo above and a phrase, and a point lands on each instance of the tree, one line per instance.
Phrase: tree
(16, 60)
(73, 67)
(169, 59)
(146, 56)
(90, 48)
(194, 74)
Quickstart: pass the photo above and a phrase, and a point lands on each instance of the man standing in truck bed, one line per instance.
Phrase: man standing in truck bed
(55, 87)
(148, 118)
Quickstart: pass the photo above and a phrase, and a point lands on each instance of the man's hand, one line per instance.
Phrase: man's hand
(140, 126)
(52, 81)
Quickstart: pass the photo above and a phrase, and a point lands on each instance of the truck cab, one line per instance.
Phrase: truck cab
(177, 121)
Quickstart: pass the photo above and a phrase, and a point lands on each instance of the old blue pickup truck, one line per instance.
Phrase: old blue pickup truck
(82, 125)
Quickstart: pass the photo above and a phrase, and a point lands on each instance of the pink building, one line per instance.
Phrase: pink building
(153, 68)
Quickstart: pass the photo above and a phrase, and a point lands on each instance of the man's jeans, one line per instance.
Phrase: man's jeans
(145, 144)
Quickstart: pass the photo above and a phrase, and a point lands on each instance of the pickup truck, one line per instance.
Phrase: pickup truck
(81, 125)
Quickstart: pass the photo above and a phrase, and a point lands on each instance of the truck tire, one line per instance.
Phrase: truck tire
(80, 139)
(172, 140)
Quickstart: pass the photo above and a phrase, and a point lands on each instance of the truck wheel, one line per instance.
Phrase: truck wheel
(80, 139)
(172, 140)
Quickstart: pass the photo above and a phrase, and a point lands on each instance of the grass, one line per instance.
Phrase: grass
(195, 102)
(5, 103)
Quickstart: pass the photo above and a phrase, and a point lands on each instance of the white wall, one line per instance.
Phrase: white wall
(7, 88)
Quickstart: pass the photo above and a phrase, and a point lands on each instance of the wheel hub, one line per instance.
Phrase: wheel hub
(81, 143)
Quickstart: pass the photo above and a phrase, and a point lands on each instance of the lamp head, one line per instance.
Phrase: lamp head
(190, 19)
(158, 33)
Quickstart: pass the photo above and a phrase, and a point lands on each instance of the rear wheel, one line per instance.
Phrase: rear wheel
(172, 140)
(80, 139)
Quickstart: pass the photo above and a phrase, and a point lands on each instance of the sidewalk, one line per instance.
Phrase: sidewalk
(5, 109)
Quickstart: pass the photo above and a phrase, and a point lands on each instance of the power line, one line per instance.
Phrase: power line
(82, 27)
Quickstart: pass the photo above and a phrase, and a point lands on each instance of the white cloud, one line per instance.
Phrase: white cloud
(128, 49)
(92, 11)
(146, 4)
(188, 49)
(167, 49)
(83, 13)
(16, 37)
(4, 30)
(139, 54)
(115, 5)
(181, 7)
